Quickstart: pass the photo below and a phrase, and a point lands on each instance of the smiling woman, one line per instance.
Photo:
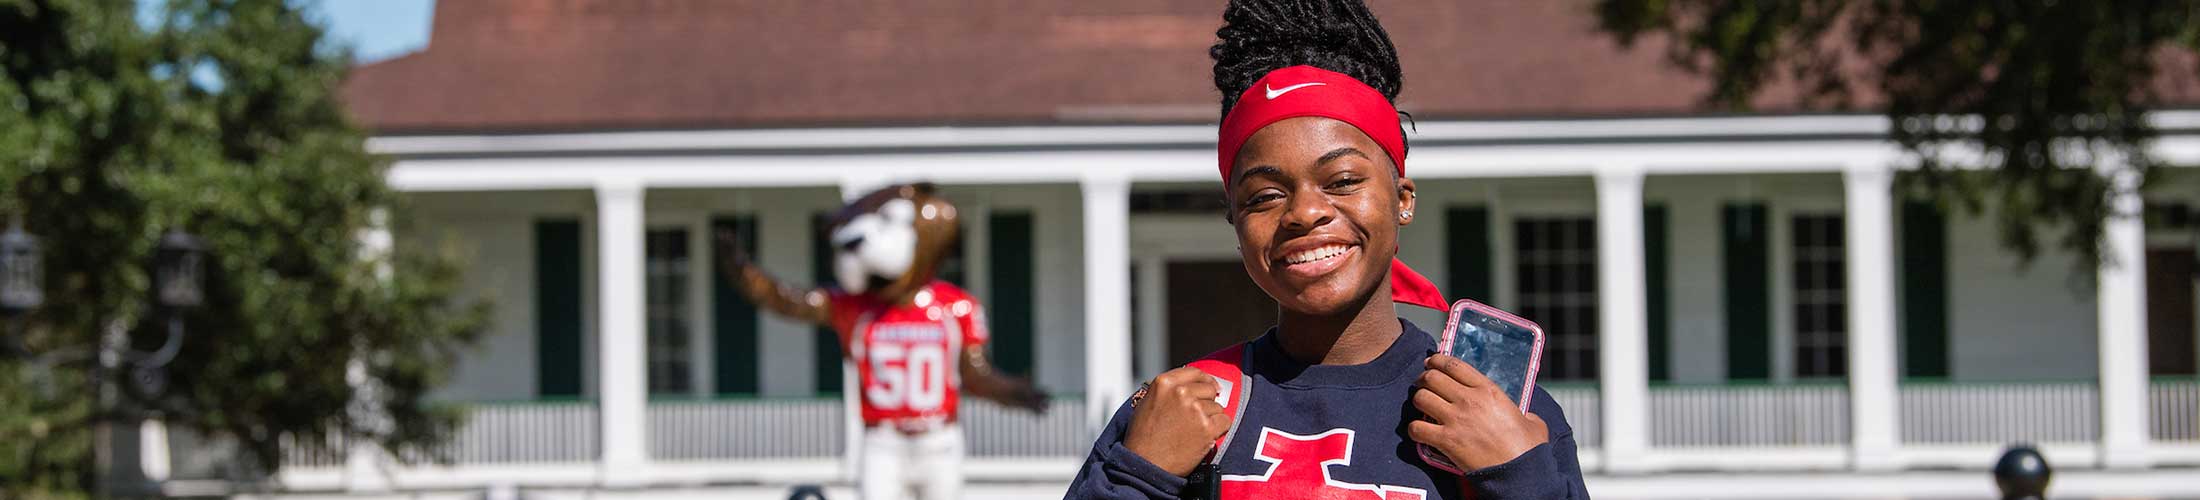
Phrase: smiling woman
(1340, 390)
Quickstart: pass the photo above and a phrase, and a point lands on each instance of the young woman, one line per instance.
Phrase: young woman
(1335, 398)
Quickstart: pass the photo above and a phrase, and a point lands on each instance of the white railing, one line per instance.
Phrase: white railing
(492, 433)
(990, 430)
(562, 431)
(1749, 415)
(814, 428)
(746, 428)
(1583, 411)
(297, 452)
(1999, 412)
(2174, 409)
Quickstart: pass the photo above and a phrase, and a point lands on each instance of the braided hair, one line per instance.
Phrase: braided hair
(1258, 36)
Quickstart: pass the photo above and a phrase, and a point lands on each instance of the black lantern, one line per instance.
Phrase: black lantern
(178, 269)
(21, 276)
(2022, 473)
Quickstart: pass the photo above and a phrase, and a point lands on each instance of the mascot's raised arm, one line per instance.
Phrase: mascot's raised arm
(899, 326)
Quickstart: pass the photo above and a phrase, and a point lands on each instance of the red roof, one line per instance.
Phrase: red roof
(517, 65)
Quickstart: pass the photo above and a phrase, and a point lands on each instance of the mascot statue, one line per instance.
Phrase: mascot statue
(900, 327)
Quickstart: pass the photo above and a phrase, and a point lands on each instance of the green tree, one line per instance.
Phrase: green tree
(220, 119)
(2051, 95)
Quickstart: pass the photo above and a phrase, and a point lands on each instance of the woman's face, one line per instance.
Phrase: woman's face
(1317, 206)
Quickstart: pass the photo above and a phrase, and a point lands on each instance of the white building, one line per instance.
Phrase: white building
(1725, 293)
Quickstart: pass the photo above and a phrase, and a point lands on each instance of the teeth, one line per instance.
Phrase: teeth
(1324, 252)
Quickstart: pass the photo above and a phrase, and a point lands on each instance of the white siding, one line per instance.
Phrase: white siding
(2015, 323)
(501, 267)
(1695, 275)
(1059, 279)
(783, 247)
(493, 235)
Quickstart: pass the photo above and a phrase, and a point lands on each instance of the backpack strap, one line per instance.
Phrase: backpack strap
(1227, 366)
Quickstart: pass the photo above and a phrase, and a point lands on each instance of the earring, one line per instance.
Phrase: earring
(1405, 215)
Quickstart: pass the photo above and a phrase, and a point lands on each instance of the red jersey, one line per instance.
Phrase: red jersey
(908, 356)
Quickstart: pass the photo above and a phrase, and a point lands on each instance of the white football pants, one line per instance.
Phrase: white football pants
(894, 465)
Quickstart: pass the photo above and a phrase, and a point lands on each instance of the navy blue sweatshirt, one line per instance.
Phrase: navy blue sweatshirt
(1336, 432)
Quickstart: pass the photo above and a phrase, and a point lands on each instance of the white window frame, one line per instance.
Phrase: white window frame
(1510, 204)
(1536, 200)
(1783, 209)
(701, 366)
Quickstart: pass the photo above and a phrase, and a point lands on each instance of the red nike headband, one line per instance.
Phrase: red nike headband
(1299, 91)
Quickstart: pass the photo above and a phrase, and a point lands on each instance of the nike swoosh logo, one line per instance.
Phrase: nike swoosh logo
(1273, 92)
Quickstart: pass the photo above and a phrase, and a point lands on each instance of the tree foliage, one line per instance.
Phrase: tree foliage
(220, 119)
(2036, 108)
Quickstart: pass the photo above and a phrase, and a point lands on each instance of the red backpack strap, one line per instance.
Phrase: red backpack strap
(1227, 366)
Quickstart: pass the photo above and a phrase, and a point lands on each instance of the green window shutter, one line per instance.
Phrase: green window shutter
(1745, 241)
(1010, 316)
(1655, 265)
(1467, 248)
(951, 265)
(733, 318)
(557, 307)
(1924, 289)
(826, 353)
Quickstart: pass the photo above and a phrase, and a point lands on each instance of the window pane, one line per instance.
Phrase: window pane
(1820, 296)
(665, 286)
(1555, 266)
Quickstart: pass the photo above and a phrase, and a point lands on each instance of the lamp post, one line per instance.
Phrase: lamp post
(178, 277)
(178, 287)
(178, 269)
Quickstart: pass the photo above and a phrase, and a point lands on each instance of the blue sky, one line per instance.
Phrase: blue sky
(374, 29)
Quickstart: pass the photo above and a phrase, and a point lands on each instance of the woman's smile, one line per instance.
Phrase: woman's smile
(1310, 259)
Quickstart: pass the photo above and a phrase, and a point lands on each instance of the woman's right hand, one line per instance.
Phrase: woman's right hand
(1177, 420)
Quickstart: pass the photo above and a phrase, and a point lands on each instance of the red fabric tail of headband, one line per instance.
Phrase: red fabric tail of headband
(1309, 91)
(1410, 287)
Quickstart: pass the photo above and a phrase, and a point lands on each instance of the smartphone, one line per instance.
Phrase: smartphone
(1506, 348)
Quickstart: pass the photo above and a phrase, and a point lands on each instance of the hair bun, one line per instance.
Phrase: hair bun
(1258, 36)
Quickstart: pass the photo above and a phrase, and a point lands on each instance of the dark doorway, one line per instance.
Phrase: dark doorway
(1211, 305)
(2170, 347)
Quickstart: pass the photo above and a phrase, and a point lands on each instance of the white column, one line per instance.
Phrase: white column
(1153, 317)
(851, 410)
(1873, 432)
(622, 389)
(1107, 295)
(364, 460)
(1623, 350)
(2123, 333)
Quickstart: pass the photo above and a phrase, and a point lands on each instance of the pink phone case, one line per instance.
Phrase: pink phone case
(1443, 345)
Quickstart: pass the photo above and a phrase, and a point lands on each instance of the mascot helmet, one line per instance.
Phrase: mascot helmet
(891, 242)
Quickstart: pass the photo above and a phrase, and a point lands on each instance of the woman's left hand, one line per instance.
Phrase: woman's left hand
(1469, 419)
